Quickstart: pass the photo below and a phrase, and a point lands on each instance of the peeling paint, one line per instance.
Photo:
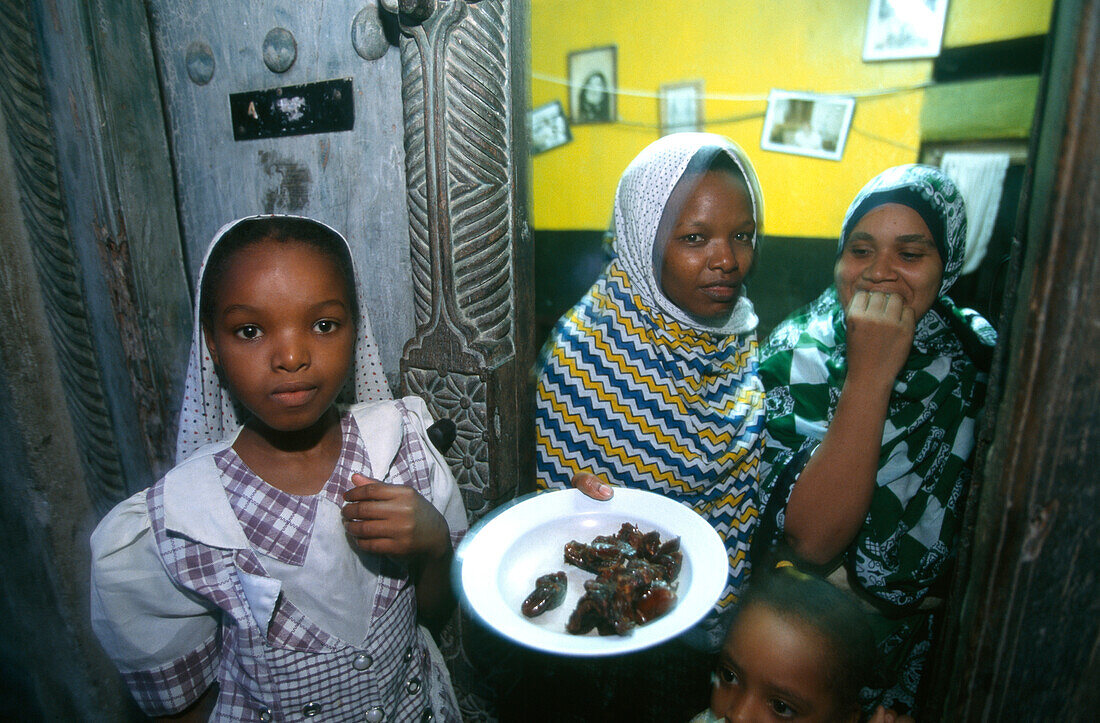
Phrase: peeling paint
(1038, 527)
(293, 187)
(114, 252)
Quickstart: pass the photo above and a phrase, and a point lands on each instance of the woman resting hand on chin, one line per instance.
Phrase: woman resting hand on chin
(873, 392)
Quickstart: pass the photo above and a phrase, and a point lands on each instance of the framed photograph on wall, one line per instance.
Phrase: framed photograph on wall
(592, 84)
(549, 127)
(680, 107)
(807, 124)
(899, 29)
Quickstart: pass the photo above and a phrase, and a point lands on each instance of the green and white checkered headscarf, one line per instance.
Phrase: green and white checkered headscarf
(929, 435)
(911, 529)
(929, 192)
(924, 469)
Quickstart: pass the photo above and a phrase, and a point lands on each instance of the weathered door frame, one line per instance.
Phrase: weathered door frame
(1023, 627)
(464, 89)
(1026, 605)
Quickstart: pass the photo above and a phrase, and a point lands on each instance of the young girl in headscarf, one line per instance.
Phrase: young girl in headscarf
(651, 380)
(873, 395)
(282, 567)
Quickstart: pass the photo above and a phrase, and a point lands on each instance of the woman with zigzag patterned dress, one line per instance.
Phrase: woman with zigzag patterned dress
(651, 381)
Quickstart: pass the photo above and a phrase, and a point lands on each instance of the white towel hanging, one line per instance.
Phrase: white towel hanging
(980, 178)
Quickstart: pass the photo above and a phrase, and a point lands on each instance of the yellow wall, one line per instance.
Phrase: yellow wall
(747, 48)
(970, 22)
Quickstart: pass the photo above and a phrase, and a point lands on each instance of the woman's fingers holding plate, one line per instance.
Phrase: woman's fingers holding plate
(592, 486)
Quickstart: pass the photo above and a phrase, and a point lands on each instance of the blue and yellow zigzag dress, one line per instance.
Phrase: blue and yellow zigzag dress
(646, 402)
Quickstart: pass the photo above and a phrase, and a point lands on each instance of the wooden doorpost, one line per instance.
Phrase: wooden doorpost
(464, 90)
(1024, 627)
(464, 94)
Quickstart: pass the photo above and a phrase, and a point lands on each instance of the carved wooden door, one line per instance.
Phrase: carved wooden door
(465, 161)
(464, 95)
(291, 107)
(120, 116)
(1023, 626)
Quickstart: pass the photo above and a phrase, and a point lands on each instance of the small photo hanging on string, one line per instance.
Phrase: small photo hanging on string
(902, 29)
(592, 85)
(681, 107)
(549, 127)
(807, 124)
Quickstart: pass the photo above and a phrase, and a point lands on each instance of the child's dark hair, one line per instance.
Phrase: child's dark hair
(832, 613)
(281, 229)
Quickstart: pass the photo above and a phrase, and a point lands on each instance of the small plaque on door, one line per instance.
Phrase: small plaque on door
(293, 110)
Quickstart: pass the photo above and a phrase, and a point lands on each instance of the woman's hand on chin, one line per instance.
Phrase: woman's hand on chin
(592, 486)
(880, 335)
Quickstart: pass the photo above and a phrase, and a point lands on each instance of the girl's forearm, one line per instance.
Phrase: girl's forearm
(831, 497)
(435, 598)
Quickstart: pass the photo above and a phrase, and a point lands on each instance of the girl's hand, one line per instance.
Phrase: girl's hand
(396, 520)
(880, 336)
(592, 486)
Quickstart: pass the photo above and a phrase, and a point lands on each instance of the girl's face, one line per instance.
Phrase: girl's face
(710, 252)
(282, 332)
(891, 250)
(772, 668)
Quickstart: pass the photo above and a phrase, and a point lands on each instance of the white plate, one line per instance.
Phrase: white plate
(504, 554)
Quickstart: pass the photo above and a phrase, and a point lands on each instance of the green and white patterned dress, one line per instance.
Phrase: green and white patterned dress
(899, 557)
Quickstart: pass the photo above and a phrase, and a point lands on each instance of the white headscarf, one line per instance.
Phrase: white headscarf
(209, 414)
(644, 190)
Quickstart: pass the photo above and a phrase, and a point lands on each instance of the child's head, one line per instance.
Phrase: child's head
(280, 229)
(799, 649)
(279, 315)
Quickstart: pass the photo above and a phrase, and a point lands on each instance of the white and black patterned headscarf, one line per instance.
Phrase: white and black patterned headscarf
(209, 414)
(661, 177)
